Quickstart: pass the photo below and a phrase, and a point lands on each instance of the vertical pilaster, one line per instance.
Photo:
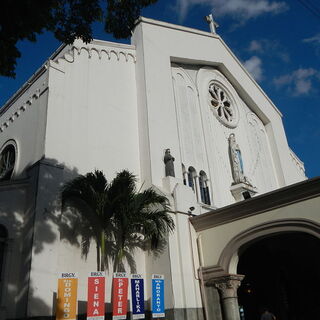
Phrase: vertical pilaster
(197, 188)
(185, 177)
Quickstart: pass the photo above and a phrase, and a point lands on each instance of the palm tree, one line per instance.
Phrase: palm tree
(139, 218)
(88, 194)
(119, 217)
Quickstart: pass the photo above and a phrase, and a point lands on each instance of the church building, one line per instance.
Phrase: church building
(179, 110)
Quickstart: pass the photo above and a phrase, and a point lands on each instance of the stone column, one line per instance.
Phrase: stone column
(185, 177)
(228, 286)
(197, 188)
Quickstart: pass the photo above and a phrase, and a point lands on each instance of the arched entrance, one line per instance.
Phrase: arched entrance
(282, 273)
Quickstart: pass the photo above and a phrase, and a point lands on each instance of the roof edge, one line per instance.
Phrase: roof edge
(275, 199)
(30, 81)
(210, 35)
(176, 27)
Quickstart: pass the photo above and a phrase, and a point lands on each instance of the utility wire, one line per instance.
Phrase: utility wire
(311, 7)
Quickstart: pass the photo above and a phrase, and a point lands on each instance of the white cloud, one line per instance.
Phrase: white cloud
(298, 82)
(254, 66)
(239, 9)
(315, 39)
(183, 6)
(270, 48)
(249, 8)
(255, 46)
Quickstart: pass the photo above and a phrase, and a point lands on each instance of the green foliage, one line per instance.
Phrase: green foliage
(89, 196)
(118, 217)
(118, 20)
(67, 19)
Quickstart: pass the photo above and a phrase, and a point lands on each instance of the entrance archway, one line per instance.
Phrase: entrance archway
(282, 273)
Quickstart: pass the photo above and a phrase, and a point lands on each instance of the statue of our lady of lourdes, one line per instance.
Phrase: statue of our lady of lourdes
(236, 161)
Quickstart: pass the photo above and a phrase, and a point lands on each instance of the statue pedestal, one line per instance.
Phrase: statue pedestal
(168, 183)
(242, 191)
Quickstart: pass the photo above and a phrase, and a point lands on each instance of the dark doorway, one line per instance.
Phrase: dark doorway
(282, 273)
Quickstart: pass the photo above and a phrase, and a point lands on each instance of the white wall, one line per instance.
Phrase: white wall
(204, 139)
(92, 111)
(91, 124)
(165, 113)
(57, 248)
(24, 122)
(158, 45)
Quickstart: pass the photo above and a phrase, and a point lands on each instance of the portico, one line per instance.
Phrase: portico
(293, 209)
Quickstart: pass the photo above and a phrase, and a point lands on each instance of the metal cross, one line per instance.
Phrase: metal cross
(213, 25)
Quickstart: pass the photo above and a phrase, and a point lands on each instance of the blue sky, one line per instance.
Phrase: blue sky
(277, 40)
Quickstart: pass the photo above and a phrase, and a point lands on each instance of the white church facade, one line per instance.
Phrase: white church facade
(174, 92)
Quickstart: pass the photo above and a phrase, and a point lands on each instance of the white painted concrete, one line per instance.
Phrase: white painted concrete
(112, 107)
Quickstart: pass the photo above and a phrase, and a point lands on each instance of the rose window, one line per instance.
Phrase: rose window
(7, 162)
(221, 105)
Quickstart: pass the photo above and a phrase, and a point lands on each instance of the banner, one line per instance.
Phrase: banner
(158, 296)
(119, 295)
(96, 296)
(67, 297)
(137, 294)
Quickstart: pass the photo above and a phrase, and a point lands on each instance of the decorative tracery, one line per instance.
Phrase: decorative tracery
(221, 105)
(7, 162)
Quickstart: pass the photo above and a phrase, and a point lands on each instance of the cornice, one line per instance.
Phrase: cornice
(17, 112)
(102, 48)
(176, 27)
(66, 52)
(298, 192)
(295, 159)
(26, 86)
(113, 44)
(251, 77)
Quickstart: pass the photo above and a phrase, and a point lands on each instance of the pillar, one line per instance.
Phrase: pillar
(228, 286)
(185, 177)
(197, 188)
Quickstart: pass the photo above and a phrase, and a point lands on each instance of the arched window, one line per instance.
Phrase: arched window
(192, 178)
(204, 188)
(7, 160)
(184, 175)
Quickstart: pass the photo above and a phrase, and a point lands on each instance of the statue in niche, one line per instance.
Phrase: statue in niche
(236, 161)
(169, 166)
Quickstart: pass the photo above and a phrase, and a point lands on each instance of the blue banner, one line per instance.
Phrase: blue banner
(137, 293)
(157, 296)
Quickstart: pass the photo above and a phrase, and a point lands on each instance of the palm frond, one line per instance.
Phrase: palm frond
(125, 217)
(122, 188)
(85, 245)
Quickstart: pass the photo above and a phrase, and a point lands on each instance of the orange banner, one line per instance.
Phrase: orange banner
(67, 297)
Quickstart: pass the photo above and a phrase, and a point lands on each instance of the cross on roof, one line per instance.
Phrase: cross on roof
(212, 23)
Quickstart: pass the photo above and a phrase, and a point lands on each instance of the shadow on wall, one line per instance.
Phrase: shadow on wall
(30, 209)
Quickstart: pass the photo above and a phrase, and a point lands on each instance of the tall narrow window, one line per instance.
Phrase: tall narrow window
(192, 178)
(204, 188)
(7, 161)
(184, 175)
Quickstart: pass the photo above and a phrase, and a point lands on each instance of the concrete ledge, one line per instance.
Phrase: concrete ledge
(298, 192)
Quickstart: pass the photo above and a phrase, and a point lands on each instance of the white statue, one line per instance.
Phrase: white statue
(236, 161)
